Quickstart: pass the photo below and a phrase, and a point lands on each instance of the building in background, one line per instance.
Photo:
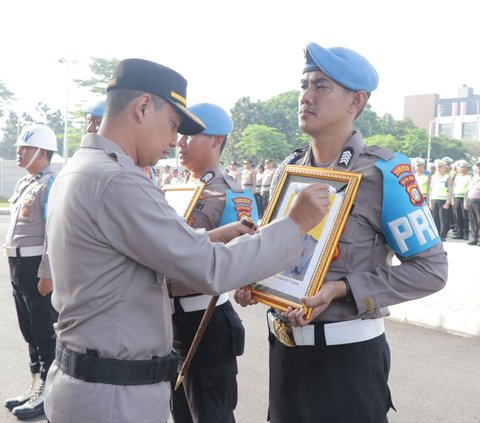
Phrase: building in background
(457, 118)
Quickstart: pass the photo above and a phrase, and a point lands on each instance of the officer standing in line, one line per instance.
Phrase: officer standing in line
(423, 179)
(441, 195)
(338, 369)
(460, 188)
(234, 172)
(266, 183)
(94, 116)
(248, 176)
(451, 222)
(209, 390)
(472, 204)
(258, 189)
(29, 271)
(113, 242)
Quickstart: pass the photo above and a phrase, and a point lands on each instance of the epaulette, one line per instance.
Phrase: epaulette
(382, 153)
(296, 155)
(232, 183)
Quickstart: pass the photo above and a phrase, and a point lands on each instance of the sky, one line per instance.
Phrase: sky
(230, 49)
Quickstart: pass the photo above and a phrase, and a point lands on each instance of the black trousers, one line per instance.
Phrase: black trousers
(260, 207)
(35, 313)
(440, 217)
(474, 213)
(265, 200)
(330, 384)
(209, 391)
(461, 217)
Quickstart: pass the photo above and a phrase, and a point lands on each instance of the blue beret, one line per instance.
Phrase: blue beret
(216, 120)
(344, 66)
(96, 109)
(153, 78)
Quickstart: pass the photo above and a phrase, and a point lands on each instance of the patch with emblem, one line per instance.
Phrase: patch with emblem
(191, 221)
(400, 169)
(243, 206)
(25, 212)
(413, 191)
(208, 177)
(28, 200)
(345, 157)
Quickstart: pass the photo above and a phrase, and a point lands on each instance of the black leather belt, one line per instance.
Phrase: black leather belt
(91, 368)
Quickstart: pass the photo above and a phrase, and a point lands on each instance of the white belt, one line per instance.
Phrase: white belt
(338, 333)
(24, 251)
(200, 302)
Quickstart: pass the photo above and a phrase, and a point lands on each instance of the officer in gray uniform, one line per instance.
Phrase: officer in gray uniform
(209, 391)
(338, 369)
(113, 241)
(29, 271)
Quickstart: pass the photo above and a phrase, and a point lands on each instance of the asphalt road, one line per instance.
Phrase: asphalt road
(435, 377)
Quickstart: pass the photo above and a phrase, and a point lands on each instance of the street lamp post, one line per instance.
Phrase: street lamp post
(430, 139)
(65, 129)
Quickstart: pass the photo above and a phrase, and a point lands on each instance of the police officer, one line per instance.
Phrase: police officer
(338, 369)
(209, 392)
(234, 172)
(114, 242)
(460, 187)
(248, 176)
(422, 178)
(29, 271)
(267, 183)
(441, 195)
(472, 204)
(94, 115)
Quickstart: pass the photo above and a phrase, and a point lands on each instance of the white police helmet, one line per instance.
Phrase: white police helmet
(38, 135)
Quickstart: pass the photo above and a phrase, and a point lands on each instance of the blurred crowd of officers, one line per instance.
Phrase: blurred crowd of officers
(452, 191)
(257, 179)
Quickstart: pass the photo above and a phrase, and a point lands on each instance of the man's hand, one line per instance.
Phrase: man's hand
(310, 206)
(45, 286)
(243, 297)
(320, 301)
(228, 232)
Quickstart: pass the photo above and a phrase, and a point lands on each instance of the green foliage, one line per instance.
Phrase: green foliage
(10, 135)
(102, 70)
(260, 142)
(5, 97)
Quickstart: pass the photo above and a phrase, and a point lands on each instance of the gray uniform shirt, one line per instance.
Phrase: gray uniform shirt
(27, 220)
(364, 257)
(208, 211)
(113, 241)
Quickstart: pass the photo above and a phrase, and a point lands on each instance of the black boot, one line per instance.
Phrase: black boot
(21, 399)
(33, 407)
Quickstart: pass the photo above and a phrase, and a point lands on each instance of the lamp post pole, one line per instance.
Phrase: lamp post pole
(430, 140)
(65, 129)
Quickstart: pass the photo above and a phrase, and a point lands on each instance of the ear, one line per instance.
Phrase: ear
(359, 100)
(141, 105)
(218, 141)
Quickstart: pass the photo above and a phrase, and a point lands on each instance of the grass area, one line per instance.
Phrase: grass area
(4, 202)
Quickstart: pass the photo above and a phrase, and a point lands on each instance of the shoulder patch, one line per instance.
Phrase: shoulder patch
(383, 153)
(207, 177)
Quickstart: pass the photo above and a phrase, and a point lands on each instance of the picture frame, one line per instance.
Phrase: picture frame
(285, 289)
(183, 197)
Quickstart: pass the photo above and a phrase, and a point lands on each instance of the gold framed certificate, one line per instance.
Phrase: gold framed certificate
(305, 278)
(183, 197)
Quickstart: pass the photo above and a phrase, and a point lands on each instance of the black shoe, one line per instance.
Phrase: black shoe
(21, 399)
(33, 407)
(466, 237)
(457, 237)
(474, 242)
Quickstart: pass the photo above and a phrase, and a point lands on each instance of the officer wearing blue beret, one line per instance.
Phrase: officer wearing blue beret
(337, 369)
(222, 201)
(94, 115)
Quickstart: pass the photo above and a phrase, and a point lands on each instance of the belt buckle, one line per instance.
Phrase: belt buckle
(283, 331)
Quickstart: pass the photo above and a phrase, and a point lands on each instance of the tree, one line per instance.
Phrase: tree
(261, 142)
(367, 123)
(5, 97)
(102, 70)
(10, 135)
